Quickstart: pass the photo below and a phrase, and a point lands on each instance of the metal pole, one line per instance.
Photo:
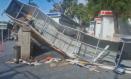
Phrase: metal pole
(78, 39)
(97, 45)
(19, 11)
(8, 34)
(120, 54)
(100, 35)
(2, 36)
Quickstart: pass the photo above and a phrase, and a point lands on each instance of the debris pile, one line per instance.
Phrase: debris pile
(83, 63)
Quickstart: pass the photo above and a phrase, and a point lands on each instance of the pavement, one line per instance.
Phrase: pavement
(43, 71)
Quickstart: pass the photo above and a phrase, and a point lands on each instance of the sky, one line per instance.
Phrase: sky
(3, 5)
(43, 5)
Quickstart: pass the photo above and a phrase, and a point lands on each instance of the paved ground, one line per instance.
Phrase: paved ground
(22, 71)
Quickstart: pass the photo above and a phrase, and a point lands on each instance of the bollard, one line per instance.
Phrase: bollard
(17, 53)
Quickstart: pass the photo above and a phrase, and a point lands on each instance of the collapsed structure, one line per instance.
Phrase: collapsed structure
(34, 26)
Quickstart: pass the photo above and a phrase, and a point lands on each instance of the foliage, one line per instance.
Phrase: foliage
(81, 12)
(120, 8)
(72, 9)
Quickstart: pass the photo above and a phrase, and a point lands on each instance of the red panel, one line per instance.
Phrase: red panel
(105, 12)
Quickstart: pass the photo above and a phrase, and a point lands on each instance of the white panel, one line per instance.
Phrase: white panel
(108, 27)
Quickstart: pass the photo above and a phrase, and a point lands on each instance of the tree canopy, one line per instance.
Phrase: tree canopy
(85, 13)
(72, 8)
(120, 8)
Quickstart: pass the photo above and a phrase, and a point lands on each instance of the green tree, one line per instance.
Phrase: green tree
(65, 7)
(120, 8)
(81, 12)
(68, 6)
(72, 9)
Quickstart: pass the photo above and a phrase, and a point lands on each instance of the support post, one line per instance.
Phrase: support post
(24, 39)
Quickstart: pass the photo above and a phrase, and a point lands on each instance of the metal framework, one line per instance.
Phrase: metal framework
(62, 38)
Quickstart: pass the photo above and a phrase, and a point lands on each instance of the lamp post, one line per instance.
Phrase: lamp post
(119, 69)
(124, 41)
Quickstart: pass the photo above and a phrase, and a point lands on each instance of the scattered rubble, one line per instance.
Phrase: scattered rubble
(83, 63)
(50, 59)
